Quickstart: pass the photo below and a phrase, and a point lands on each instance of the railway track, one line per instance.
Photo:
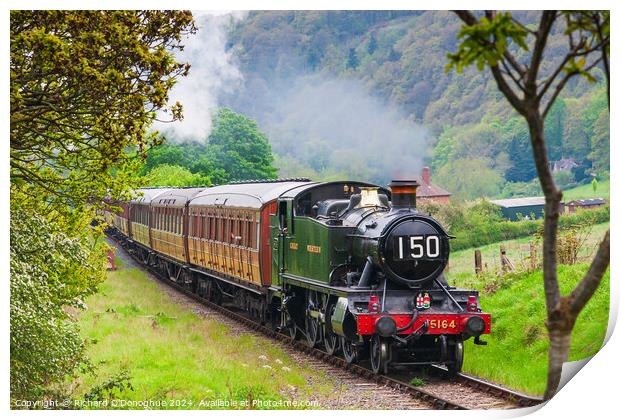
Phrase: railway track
(485, 394)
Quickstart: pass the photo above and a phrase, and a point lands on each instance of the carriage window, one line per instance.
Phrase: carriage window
(211, 226)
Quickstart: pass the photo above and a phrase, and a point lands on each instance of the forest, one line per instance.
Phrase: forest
(384, 76)
(323, 91)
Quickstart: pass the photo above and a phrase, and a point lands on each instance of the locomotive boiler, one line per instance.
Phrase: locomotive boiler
(352, 267)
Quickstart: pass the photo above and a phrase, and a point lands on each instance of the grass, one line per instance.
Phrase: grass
(462, 262)
(516, 354)
(585, 191)
(171, 353)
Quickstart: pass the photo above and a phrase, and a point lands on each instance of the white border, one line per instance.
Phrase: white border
(590, 394)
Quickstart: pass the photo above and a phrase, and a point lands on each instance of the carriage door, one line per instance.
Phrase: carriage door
(281, 232)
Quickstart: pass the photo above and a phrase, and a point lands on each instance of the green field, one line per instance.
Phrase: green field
(585, 191)
(516, 354)
(461, 265)
(172, 353)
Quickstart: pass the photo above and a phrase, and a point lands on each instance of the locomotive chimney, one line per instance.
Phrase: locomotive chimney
(403, 193)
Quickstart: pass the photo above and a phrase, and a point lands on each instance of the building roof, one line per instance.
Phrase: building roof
(520, 202)
(588, 202)
(431, 190)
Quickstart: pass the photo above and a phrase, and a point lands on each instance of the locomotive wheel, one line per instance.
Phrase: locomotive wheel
(379, 355)
(331, 340)
(288, 326)
(313, 331)
(454, 366)
(349, 351)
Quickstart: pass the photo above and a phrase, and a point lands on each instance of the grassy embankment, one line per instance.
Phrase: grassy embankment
(516, 354)
(172, 353)
(462, 261)
(585, 191)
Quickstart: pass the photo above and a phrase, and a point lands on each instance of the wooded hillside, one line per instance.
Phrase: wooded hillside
(398, 59)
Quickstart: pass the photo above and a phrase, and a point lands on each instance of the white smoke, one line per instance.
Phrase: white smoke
(335, 125)
(213, 72)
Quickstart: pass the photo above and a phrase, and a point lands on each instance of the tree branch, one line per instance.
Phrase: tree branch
(590, 282)
(542, 34)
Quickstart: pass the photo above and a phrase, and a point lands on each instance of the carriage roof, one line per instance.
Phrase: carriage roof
(245, 195)
(176, 197)
(146, 195)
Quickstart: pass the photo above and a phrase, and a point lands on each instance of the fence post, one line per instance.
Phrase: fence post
(478, 261)
(506, 264)
(533, 262)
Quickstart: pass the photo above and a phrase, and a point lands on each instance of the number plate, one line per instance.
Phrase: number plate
(416, 247)
(444, 325)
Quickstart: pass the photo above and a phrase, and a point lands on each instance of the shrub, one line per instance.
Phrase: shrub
(481, 223)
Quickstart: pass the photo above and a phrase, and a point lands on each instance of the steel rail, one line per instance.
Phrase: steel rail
(520, 399)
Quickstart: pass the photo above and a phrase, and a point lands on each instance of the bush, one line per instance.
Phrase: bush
(51, 274)
(480, 223)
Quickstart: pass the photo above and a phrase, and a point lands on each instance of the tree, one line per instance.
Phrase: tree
(600, 145)
(85, 86)
(175, 176)
(372, 44)
(515, 55)
(476, 178)
(240, 149)
(522, 167)
(352, 60)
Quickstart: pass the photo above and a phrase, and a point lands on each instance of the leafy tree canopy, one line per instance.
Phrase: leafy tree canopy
(175, 176)
(235, 150)
(85, 86)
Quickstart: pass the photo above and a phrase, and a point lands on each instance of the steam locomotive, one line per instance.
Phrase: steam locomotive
(349, 266)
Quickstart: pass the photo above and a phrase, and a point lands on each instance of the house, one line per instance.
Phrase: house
(430, 193)
(564, 164)
(589, 203)
(523, 208)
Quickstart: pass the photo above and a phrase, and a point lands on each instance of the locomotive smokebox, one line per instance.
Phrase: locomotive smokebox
(403, 193)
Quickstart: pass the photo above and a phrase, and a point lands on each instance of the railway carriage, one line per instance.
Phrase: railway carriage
(349, 266)
(140, 217)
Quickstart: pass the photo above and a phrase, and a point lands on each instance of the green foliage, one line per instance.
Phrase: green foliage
(485, 43)
(166, 175)
(564, 178)
(240, 148)
(352, 60)
(235, 150)
(85, 86)
(600, 145)
(469, 178)
(110, 389)
(522, 189)
(480, 223)
(401, 59)
(517, 350)
(51, 275)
